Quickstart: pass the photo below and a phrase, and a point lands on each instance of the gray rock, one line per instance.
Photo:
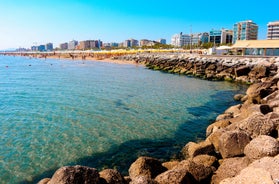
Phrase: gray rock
(262, 146)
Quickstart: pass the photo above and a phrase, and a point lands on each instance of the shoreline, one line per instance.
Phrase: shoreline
(245, 136)
(74, 57)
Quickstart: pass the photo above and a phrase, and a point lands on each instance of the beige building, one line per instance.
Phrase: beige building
(273, 30)
(245, 30)
(258, 47)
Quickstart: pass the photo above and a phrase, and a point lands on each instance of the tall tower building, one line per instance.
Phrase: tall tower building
(245, 30)
(273, 30)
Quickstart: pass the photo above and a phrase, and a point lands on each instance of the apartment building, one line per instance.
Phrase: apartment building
(273, 30)
(245, 30)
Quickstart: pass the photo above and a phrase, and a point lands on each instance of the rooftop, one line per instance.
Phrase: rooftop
(256, 44)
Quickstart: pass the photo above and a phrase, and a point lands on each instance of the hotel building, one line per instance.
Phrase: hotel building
(245, 30)
(273, 30)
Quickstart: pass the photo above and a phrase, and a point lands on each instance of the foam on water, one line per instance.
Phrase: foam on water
(55, 113)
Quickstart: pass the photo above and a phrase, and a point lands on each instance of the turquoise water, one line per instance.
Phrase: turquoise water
(62, 112)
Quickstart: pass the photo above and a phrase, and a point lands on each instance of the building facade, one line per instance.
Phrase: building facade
(162, 41)
(72, 45)
(226, 36)
(273, 30)
(49, 47)
(89, 44)
(223, 36)
(245, 30)
(63, 46)
(180, 40)
(131, 43)
(204, 37)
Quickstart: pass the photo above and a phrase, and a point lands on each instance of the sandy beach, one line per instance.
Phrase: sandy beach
(90, 58)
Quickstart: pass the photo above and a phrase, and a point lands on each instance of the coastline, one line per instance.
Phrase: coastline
(244, 137)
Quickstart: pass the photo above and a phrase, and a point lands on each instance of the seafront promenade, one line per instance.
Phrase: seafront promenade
(241, 145)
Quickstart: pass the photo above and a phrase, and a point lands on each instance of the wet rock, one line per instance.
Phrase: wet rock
(75, 174)
(146, 166)
(262, 146)
(232, 143)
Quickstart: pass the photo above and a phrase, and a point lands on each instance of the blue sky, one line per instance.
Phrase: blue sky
(27, 22)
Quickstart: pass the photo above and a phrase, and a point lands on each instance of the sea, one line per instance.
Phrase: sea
(56, 113)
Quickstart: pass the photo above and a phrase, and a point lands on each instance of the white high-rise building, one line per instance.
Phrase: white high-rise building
(180, 40)
(273, 30)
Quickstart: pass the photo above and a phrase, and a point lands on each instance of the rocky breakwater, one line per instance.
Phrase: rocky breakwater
(241, 146)
(240, 69)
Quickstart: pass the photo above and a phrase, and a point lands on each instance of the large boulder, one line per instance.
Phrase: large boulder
(44, 181)
(217, 125)
(206, 160)
(270, 164)
(199, 171)
(171, 164)
(143, 180)
(146, 166)
(214, 138)
(257, 124)
(232, 143)
(175, 176)
(258, 91)
(75, 174)
(112, 176)
(192, 149)
(250, 175)
(262, 146)
(243, 70)
(229, 167)
(258, 72)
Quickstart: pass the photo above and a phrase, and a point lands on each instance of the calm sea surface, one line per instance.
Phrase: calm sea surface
(62, 112)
